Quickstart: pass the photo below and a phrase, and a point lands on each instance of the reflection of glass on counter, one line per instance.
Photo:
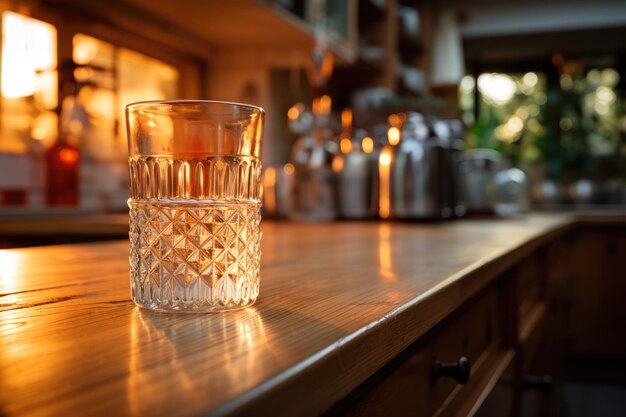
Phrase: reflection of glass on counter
(160, 347)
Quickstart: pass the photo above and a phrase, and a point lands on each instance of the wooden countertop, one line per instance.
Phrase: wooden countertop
(337, 302)
(64, 224)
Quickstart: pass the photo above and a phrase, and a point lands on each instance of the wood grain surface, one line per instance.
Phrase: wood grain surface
(337, 302)
(64, 224)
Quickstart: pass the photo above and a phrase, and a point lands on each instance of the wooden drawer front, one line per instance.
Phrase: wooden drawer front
(502, 400)
(529, 283)
(557, 255)
(532, 338)
(537, 358)
(474, 332)
(592, 297)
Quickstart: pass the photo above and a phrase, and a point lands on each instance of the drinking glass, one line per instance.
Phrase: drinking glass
(194, 204)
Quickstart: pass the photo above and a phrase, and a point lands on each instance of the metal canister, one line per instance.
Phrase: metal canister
(478, 170)
(315, 189)
(358, 179)
(278, 191)
(421, 173)
(456, 145)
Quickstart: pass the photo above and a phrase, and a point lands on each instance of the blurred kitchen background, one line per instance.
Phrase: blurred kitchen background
(375, 108)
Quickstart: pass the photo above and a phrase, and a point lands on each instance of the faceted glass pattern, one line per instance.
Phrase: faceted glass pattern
(194, 257)
(194, 204)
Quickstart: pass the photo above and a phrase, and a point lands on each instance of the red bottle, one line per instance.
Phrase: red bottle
(62, 165)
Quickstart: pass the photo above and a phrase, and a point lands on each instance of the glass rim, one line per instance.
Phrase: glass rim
(153, 105)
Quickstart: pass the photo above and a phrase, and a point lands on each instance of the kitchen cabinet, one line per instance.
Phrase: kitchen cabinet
(352, 320)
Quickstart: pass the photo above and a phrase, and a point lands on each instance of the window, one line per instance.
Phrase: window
(94, 87)
(103, 79)
(29, 82)
(510, 110)
(106, 78)
(79, 90)
(574, 126)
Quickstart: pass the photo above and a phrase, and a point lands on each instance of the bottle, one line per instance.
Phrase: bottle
(315, 181)
(62, 173)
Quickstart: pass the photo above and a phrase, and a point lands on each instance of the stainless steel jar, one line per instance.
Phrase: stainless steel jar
(314, 192)
(478, 170)
(421, 172)
(358, 179)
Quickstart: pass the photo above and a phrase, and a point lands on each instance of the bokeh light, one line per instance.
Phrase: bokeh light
(499, 88)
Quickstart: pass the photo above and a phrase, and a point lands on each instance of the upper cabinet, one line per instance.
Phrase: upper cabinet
(393, 39)
(334, 22)
(377, 42)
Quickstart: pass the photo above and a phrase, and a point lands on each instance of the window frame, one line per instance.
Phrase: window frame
(192, 69)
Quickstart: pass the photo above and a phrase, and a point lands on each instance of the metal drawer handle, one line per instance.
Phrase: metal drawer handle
(459, 370)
